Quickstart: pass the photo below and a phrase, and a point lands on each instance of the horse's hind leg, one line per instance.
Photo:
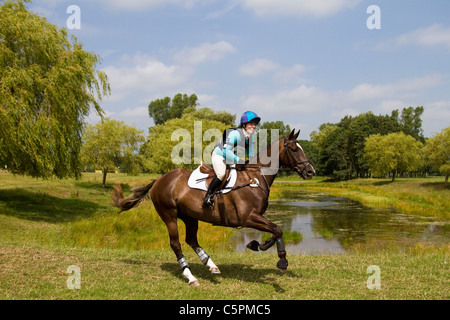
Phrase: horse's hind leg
(191, 239)
(172, 226)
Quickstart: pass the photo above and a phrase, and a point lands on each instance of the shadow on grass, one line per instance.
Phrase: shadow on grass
(98, 186)
(39, 206)
(383, 183)
(437, 185)
(236, 271)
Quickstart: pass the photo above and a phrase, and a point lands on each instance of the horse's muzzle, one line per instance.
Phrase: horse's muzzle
(308, 172)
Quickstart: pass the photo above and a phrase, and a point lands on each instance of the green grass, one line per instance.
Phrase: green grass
(40, 273)
(80, 213)
(47, 226)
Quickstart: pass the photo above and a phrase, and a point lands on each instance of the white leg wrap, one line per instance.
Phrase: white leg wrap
(187, 273)
(207, 261)
(211, 264)
(212, 267)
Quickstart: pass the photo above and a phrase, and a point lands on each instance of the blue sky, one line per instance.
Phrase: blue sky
(300, 61)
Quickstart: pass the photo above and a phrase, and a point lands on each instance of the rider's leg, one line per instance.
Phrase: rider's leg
(213, 186)
(219, 168)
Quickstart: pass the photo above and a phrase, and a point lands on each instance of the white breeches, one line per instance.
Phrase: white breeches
(218, 163)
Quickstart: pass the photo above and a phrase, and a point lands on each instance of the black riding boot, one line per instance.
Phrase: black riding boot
(209, 197)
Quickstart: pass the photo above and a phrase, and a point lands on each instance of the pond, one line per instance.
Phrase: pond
(330, 224)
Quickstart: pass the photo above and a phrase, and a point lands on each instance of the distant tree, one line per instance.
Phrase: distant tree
(283, 130)
(437, 152)
(163, 141)
(411, 122)
(112, 144)
(165, 109)
(48, 85)
(395, 152)
(327, 141)
(341, 147)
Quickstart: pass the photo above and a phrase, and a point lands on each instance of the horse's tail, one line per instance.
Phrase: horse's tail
(125, 204)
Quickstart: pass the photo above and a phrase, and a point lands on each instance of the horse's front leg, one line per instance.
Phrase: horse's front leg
(258, 222)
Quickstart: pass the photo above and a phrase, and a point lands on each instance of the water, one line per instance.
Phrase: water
(333, 225)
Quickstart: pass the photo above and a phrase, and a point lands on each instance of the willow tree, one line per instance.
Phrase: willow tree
(395, 152)
(48, 85)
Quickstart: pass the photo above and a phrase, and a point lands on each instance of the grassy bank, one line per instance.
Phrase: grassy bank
(428, 197)
(47, 226)
(79, 213)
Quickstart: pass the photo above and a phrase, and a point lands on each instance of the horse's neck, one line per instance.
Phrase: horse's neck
(271, 173)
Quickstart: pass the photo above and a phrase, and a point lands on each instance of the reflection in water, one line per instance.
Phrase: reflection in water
(332, 225)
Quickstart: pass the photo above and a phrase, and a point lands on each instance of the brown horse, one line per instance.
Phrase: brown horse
(242, 207)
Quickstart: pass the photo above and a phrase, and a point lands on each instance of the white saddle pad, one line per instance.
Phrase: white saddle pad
(197, 180)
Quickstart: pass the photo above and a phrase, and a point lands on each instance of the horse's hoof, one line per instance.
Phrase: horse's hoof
(214, 270)
(194, 283)
(282, 265)
(283, 271)
(253, 245)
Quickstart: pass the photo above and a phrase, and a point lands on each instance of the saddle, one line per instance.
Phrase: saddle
(207, 169)
(203, 175)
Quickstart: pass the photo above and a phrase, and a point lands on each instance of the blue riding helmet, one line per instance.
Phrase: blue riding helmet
(249, 116)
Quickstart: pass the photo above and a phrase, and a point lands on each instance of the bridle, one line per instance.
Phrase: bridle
(287, 153)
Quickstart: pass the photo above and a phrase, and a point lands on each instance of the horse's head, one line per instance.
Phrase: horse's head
(293, 156)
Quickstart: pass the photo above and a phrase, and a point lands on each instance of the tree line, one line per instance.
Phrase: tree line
(49, 84)
(370, 145)
(367, 145)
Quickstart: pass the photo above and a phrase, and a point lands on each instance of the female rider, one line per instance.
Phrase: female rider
(226, 152)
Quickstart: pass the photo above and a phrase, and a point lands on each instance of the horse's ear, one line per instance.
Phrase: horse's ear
(296, 135)
(291, 136)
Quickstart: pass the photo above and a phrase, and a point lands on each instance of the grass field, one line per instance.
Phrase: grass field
(47, 226)
(40, 273)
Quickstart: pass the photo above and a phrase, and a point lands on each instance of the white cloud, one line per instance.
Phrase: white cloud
(434, 35)
(207, 52)
(144, 75)
(386, 106)
(300, 100)
(206, 100)
(258, 67)
(261, 67)
(333, 105)
(402, 88)
(299, 8)
(435, 117)
(290, 74)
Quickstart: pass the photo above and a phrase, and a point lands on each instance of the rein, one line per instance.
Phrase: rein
(251, 183)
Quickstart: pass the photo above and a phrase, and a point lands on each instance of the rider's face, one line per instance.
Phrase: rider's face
(250, 127)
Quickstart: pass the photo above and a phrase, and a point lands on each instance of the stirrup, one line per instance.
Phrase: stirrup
(208, 201)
